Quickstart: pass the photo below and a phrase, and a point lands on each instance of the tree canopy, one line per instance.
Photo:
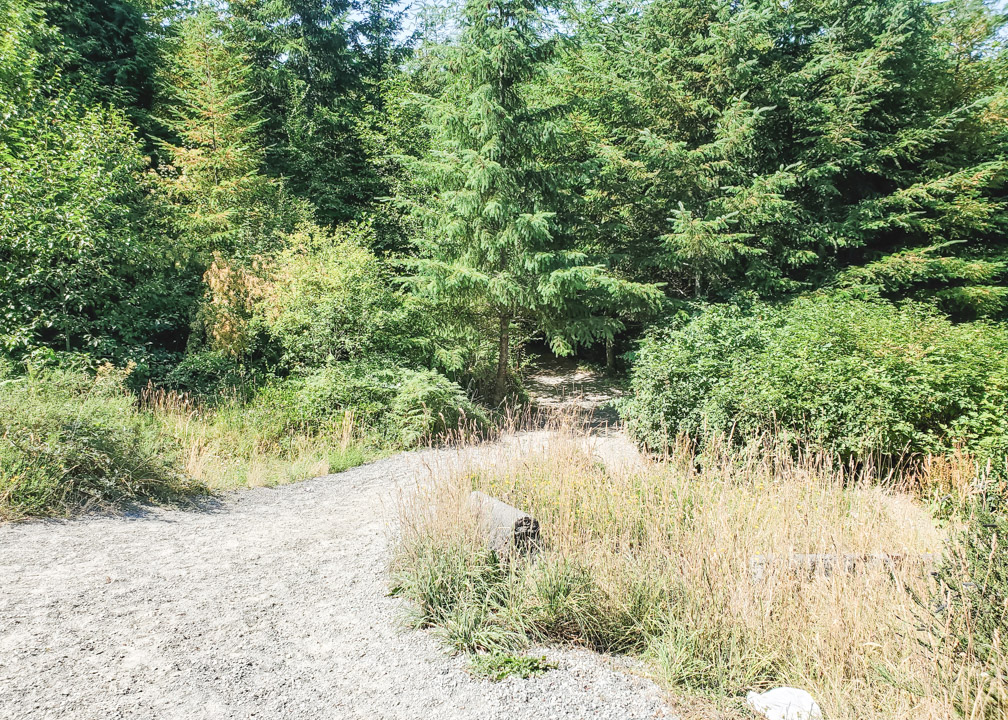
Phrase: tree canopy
(568, 173)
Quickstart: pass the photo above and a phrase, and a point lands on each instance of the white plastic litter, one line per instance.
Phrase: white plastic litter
(785, 703)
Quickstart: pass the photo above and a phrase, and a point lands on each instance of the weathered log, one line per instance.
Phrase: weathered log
(826, 564)
(508, 530)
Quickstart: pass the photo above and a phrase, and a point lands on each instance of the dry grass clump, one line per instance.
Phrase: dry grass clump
(655, 559)
(228, 447)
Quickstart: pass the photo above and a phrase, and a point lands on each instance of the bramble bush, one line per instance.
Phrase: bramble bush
(859, 377)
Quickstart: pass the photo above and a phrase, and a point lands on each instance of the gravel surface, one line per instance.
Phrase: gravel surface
(268, 603)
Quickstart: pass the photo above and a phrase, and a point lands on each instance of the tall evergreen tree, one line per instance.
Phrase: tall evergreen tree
(308, 76)
(495, 244)
(226, 204)
(110, 52)
(379, 47)
(781, 147)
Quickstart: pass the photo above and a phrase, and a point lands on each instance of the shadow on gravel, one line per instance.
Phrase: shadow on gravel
(209, 503)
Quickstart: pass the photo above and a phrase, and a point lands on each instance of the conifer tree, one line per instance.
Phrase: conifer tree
(379, 48)
(309, 76)
(226, 203)
(230, 214)
(495, 243)
(110, 52)
(777, 148)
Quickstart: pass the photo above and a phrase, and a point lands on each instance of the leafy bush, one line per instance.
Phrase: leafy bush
(315, 404)
(860, 377)
(85, 261)
(497, 666)
(70, 439)
(205, 374)
(331, 299)
(428, 405)
(395, 406)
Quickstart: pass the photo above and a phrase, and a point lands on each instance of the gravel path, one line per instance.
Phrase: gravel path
(269, 603)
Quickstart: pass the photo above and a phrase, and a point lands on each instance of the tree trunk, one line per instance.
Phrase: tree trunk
(610, 356)
(500, 384)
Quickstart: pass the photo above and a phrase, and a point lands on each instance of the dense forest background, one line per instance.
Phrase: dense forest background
(349, 217)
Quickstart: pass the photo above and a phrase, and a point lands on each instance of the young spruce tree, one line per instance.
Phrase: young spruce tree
(230, 215)
(495, 243)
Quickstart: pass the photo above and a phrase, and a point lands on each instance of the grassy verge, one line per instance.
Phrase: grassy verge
(233, 445)
(71, 441)
(656, 561)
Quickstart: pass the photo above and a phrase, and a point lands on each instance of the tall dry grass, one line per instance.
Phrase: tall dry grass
(224, 448)
(655, 558)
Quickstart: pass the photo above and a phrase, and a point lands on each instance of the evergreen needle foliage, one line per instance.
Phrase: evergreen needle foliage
(494, 240)
(781, 147)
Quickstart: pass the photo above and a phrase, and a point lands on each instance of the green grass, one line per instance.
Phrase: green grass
(231, 445)
(73, 439)
(70, 441)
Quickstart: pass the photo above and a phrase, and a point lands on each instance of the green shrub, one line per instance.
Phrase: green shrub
(333, 300)
(497, 665)
(205, 374)
(428, 405)
(394, 406)
(859, 377)
(316, 404)
(86, 263)
(70, 439)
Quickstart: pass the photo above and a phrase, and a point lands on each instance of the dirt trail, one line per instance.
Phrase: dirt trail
(266, 603)
(563, 386)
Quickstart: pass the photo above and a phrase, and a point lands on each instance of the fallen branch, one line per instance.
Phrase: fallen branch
(826, 564)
